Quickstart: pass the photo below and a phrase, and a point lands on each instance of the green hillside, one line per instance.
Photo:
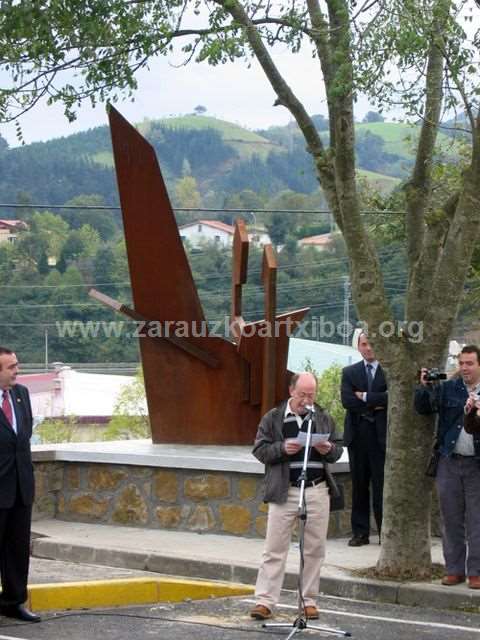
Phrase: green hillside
(400, 138)
(224, 159)
(245, 142)
(383, 183)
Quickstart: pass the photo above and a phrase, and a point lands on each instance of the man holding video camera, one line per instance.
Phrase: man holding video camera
(458, 473)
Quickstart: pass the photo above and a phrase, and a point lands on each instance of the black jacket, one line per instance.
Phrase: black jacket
(354, 378)
(16, 468)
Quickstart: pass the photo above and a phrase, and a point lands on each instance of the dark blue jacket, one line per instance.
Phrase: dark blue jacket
(354, 378)
(16, 469)
(448, 400)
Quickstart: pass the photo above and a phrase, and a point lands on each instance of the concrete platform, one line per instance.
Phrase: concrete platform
(237, 459)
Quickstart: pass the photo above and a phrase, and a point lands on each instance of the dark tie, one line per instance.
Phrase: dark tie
(7, 408)
(369, 377)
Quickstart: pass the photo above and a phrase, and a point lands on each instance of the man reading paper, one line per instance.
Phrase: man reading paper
(277, 445)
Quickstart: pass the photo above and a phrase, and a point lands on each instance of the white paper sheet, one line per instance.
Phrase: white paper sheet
(316, 438)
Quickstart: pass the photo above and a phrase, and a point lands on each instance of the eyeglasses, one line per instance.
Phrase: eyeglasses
(304, 396)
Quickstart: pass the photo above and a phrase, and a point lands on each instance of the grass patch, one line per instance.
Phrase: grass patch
(245, 142)
(383, 183)
(105, 158)
(401, 138)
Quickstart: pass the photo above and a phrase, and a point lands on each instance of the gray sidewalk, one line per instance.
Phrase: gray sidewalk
(112, 551)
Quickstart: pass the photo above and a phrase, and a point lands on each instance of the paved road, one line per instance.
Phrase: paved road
(227, 618)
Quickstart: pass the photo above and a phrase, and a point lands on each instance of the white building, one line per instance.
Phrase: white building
(202, 231)
(66, 392)
(258, 236)
(10, 228)
(321, 355)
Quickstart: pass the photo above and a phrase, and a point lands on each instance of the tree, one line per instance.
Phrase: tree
(373, 116)
(328, 392)
(278, 227)
(99, 219)
(3, 145)
(200, 110)
(186, 193)
(45, 238)
(371, 154)
(130, 417)
(105, 271)
(409, 53)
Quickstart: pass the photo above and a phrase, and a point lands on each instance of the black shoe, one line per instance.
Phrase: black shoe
(358, 541)
(19, 612)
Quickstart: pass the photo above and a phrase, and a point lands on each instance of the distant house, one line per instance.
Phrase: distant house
(320, 242)
(90, 397)
(258, 235)
(10, 228)
(201, 231)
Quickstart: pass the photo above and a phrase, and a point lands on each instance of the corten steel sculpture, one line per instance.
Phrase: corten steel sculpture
(201, 389)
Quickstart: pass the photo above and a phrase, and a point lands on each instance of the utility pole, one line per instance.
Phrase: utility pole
(46, 348)
(346, 308)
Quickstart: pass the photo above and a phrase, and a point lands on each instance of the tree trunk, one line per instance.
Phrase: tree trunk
(405, 551)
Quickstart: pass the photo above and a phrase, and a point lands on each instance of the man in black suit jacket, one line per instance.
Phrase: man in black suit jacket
(364, 396)
(16, 489)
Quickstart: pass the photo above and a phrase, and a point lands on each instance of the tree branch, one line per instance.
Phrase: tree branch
(418, 189)
(285, 95)
(367, 281)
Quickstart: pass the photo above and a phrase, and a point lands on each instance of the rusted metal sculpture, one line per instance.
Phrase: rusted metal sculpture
(201, 389)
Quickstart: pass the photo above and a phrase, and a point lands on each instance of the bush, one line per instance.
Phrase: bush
(55, 431)
(328, 392)
(130, 419)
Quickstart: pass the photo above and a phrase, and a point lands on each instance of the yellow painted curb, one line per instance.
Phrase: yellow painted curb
(129, 591)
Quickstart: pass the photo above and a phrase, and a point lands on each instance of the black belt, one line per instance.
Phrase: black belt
(309, 483)
(460, 456)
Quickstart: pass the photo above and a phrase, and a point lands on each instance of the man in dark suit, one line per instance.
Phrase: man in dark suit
(16, 489)
(364, 396)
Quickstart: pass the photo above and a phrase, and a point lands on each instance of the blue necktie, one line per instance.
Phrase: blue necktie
(369, 377)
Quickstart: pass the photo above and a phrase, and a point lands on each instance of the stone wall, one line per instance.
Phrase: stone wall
(220, 502)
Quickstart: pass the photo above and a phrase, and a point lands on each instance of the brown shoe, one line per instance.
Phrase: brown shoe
(451, 581)
(260, 612)
(474, 582)
(311, 613)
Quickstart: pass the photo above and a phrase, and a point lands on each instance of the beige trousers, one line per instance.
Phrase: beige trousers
(281, 520)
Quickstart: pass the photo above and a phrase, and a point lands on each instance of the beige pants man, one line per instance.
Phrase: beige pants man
(281, 520)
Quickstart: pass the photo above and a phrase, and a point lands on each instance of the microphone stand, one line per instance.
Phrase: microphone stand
(300, 623)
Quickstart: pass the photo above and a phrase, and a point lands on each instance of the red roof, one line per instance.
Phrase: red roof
(38, 382)
(13, 224)
(216, 224)
(320, 240)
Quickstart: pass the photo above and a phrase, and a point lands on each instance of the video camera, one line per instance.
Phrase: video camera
(433, 375)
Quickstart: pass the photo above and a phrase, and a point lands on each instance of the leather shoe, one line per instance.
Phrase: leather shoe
(474, 582)
(19, 612)
(452, 580)
(260, 612)
(358, 541)
(311, 613)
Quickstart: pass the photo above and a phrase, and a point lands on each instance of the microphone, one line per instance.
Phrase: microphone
(310, 408)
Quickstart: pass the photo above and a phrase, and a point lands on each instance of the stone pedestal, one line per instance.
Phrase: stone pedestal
(182, 487)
